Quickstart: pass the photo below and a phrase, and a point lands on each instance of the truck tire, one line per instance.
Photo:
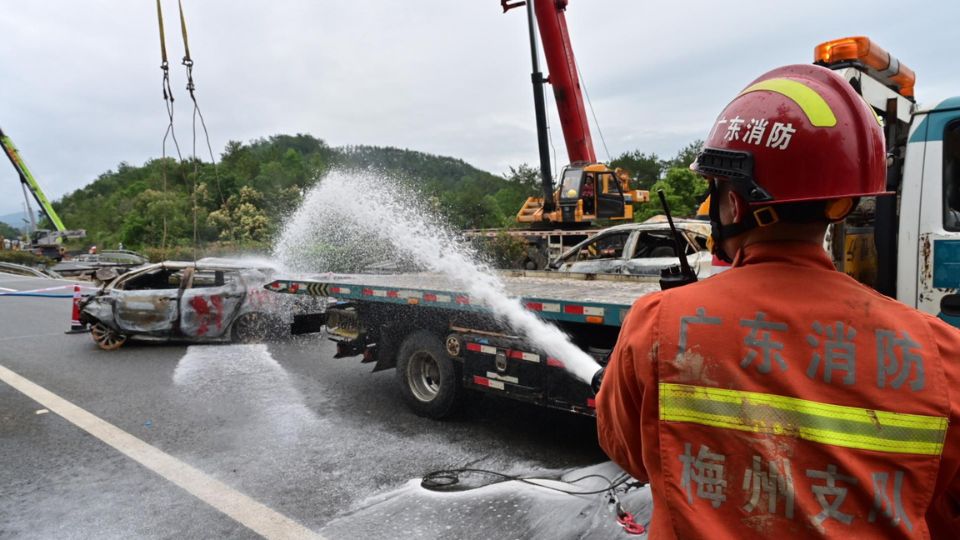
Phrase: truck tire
(429, 379)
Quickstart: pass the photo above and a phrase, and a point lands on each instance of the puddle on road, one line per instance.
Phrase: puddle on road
(245, 382)
(260, 435)
(503, 510)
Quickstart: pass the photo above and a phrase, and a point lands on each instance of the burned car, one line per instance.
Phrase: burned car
(639, 249)
(87, 264)
(206, 301)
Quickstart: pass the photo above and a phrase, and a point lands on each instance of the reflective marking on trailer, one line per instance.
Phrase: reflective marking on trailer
(553, 362)
(410, 294)
(379, 293)
(486, 349)
(573, 310)
(254, 515)
(597, 311)
(483, 381)
(553, 308)
(443, 298)
(505, 378)
(475, 347)
(520, 355)
(463, 299)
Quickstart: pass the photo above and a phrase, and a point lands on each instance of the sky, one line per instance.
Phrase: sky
(81, 88)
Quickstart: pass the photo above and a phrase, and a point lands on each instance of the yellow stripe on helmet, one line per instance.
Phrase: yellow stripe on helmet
(810, 102)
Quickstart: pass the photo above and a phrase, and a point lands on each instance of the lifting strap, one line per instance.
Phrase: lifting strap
(168, 98)
(187, 61)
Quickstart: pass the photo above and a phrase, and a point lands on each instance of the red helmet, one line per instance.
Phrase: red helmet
(796, 133)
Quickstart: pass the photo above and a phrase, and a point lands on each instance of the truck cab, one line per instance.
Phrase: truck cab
(907, 244)
(930, 213)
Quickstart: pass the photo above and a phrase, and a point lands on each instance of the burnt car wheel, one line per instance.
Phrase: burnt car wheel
(429, 379)
(107, 338)
(254, 328)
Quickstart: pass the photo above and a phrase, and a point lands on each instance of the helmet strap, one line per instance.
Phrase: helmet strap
(760, 217)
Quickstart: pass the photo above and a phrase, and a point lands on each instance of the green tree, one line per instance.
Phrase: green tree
(8, 231)
(241, 219)
(644, 168)
(683, 190)
(686, 156)
(526, 178)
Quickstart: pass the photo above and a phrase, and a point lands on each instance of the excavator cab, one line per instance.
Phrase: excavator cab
(587, 192)
(590, 192)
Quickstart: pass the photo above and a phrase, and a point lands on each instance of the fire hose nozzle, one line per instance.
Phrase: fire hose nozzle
(597, 379)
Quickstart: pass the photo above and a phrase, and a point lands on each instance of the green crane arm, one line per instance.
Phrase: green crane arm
(27, 178)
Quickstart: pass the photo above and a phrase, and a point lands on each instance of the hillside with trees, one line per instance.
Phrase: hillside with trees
(243, 200)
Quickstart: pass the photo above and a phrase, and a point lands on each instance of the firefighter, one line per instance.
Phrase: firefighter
(782, 399)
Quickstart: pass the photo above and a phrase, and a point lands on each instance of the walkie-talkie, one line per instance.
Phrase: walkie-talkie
(675, 276)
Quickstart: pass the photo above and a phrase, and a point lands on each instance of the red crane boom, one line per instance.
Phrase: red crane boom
(587, 190)
(562, 66)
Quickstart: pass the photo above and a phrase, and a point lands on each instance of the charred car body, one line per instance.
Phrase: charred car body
(185, 301)
(641, 249)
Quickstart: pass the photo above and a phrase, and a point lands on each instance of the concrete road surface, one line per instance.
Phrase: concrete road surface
(279, 440)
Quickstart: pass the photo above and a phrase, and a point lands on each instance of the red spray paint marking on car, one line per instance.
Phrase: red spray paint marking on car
(207, 313)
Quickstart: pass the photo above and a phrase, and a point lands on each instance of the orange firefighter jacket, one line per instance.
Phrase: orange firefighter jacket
(782, 399)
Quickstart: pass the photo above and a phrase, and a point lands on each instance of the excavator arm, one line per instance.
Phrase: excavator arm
(29, 181)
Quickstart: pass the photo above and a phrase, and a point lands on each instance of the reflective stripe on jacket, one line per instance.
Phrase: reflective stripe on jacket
(784, 399)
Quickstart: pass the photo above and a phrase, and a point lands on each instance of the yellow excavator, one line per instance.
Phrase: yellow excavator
(587, 192)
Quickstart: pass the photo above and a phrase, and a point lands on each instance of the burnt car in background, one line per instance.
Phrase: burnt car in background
(206, 301)
(88, 264)
(640, 249)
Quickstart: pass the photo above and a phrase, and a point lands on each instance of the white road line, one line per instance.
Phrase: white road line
(246, 511)
(34, 336)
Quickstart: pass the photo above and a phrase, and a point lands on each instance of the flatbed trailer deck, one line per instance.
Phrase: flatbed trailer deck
(441, 339)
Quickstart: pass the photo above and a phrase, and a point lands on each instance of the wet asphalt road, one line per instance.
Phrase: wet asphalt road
(306, 435)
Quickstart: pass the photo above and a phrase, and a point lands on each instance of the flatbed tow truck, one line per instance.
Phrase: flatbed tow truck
(442, 340)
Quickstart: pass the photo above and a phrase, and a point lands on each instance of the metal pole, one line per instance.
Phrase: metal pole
(26, 198)
(546, 176)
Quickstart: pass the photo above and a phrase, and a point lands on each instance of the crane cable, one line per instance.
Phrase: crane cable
(188, 63)
(593, 112)
(170, 133)
(585, 93)
(191, 87)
